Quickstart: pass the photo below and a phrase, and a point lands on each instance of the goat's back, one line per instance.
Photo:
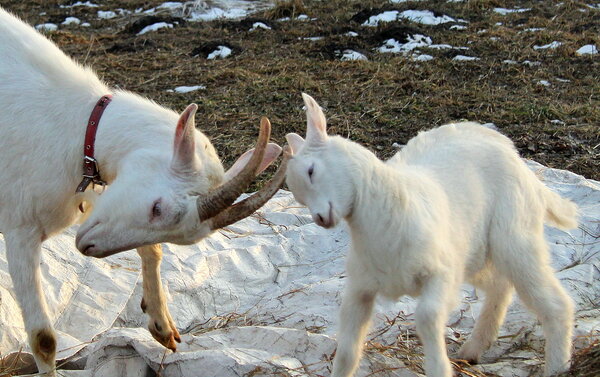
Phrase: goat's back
(35, 70)
(483, 178)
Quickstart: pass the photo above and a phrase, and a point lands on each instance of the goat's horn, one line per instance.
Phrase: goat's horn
(247, 206)
(221, 198)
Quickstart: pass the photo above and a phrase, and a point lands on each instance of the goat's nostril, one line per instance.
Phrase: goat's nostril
(320, 218)
(158, 327)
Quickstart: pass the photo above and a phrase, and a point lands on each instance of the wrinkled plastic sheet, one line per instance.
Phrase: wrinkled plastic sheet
(261, 297)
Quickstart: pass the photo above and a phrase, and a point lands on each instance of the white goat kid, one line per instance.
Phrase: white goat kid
(456, 204)
(159, 167)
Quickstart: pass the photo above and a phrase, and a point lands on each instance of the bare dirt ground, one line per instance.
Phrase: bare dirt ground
(378, 102)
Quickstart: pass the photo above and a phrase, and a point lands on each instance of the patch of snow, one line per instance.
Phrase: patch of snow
(283, 19)
(425, 17)
(414, 41)
(220, 53)
(123, 12)
(562, 80)
(304, 17)
(398, 146)
(71, 20)
(557, 121)
(495, 39)
(544, 83)
(310, 38)
(154, 27)
(442, 46)
(186, 89)
(208, 11)
(387, 16)
(260, 25)
(499, 24)
(534, 29)
(464, 58)
(552, 45)
(106, 15)
(86, 24)
(349, 55)
(80, 4)
(46, 27)
(218, 13)
(458, 27)
(422, 58)
(594, 6)
(587, 50)
(508, 61)
(530, 63)
(351, 34)
(171, 5)
(504, 11)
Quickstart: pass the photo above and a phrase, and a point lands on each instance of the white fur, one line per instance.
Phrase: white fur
(45, 102)
(455, 205)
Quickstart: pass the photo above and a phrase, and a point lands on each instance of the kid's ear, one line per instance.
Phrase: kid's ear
(295, 142)
(315, 121)
(184, 149)
(272, 151)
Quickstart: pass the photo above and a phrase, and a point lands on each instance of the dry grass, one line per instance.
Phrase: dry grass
(387, 99)
(586, 362)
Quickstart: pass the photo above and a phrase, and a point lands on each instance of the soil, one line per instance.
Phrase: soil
(379, 102)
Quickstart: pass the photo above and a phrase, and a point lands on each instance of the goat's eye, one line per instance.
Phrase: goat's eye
(310, 171)
(156, 209)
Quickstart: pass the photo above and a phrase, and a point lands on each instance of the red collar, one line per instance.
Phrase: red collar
(91, 174)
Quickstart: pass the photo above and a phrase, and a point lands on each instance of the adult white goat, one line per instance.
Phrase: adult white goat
(159, 167)
(455, 204)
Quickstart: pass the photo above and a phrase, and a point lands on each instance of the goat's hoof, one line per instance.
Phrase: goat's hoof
(469, 353)
(167, 338)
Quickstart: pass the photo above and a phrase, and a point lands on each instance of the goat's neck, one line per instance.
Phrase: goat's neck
(381, 194)
(131, 124)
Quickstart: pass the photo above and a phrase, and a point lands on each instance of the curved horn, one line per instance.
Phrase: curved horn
(217, 200)
(247, 206)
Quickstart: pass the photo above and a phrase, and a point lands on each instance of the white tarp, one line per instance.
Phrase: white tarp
(262, 298)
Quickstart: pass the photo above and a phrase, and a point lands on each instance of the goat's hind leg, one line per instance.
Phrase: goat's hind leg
(154, 303)
(525, 261)
(23, 248)
(498, 295)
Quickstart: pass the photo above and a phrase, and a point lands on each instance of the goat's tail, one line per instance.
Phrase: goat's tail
(560, 212)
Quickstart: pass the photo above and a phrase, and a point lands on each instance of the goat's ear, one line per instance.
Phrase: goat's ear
(295, 142)
(184, 146)
(272, 151)
(316, 124)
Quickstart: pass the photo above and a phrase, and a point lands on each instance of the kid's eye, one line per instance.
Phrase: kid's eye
(156, 209)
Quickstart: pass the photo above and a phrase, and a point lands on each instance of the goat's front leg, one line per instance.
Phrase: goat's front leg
(431, 316)
(160, 324)
(23, 248)
(357, 306)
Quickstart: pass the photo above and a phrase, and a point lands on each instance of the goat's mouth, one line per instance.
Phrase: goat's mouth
(86, 242)
(92, 251)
